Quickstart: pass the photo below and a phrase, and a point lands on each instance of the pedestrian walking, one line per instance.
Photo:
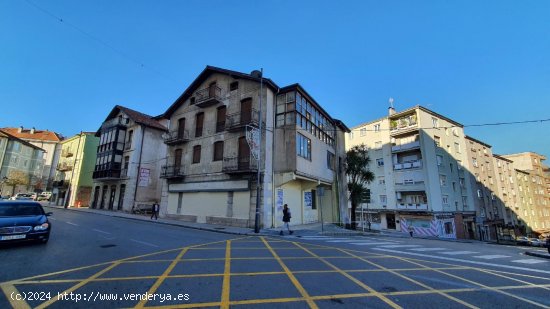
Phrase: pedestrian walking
(411, 230)
(548, 244)
(286, 219)
(155, 211)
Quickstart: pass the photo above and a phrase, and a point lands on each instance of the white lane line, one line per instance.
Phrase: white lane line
(71, 223)
(400, 246)
(490, 257)
(346, 240)
(464, 261)
(369, 243)
(529, 261)
(459, 252)
(100, 231)
(327, 239)
(144, 243)
(427, 249)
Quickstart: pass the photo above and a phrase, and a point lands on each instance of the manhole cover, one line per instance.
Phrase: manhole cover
(107, 246)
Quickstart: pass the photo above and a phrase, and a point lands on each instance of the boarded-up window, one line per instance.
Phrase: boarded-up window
(218, 151)
(220, 119)
(199, 124)
(197, 154)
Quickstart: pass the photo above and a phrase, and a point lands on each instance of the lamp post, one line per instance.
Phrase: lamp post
(258, 176)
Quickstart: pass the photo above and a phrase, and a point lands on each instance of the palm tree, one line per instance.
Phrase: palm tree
(359, 175)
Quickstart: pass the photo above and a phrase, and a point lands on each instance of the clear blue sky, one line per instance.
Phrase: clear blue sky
(472, 61)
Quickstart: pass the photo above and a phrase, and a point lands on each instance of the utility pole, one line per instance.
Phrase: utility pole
(258, 175)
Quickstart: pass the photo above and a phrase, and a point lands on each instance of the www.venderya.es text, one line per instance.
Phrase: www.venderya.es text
(96, 296)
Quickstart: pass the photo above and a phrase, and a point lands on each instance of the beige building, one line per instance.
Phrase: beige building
(128, 163)
(73, 182)
(211, 167)
(538, 200)
(50, 142)
(418, 158)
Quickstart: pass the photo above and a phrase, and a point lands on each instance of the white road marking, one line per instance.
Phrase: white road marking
(529, 261)
(458, 252)
(370, 243)
(427, 249)
(100, 231)
(108, 238)
(400, 246)
(490, 257)
(144, 243)
(72, 223)
(464, 261)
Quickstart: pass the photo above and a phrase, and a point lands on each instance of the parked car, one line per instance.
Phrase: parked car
(535, 242)
(522, 240)
(22, 196)
(44, 196)
(23, 221)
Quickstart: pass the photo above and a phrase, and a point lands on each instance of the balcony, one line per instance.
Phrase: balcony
(109, 171)
(208, 96)
(67, 153)
(405, 147)
(239, 165)
(404, 124)
(118, 121)
(240, 120)
(61, 184)
(65, 166)
(408, 165)
(172, 171)
(176, 137)
(413, 207)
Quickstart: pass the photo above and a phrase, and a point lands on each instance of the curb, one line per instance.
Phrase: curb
(164, 223)
(540, 255)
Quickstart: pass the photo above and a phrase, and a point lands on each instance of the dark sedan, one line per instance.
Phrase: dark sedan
(23, 221)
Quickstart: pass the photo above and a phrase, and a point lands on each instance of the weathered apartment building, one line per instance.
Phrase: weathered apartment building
(431, 176)
(21, 165)
(211, 167)
(418, 158)
(128, 160)
(48, 141)
(73, 181)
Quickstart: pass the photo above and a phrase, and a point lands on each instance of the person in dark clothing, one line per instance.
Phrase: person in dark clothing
(548, 244)
(286, 219)
(155, 211)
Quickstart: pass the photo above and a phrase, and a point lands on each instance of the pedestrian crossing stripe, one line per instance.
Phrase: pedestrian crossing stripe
(370, 243)
(529, 261)
(490, 257)
(459, 252)
(400, 246)
(427, 249)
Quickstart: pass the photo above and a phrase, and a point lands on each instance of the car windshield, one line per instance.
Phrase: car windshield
(14, 210)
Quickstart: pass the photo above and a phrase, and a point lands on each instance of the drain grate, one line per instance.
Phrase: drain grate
(107, 246)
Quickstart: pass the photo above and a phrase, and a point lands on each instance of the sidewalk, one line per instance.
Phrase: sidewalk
(299, 230)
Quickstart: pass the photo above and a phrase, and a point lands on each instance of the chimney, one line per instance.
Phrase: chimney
(32, 130)
(391, 110)
(20, 129)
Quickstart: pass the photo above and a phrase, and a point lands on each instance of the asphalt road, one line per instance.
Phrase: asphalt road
(95, 261)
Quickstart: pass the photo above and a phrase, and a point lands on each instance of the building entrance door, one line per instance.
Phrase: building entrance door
(390, 219)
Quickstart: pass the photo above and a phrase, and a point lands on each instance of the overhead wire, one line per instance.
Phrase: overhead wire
(102, 42)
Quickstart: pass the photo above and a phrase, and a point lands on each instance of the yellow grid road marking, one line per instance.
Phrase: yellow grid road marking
(10, 290)
(226, 277)
(429, 288)
(162, 277)
(77, 286)
(350, 277)
(291, 276)
(482, 285)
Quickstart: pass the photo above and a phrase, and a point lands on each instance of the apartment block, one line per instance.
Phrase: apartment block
(419, 161)
(538, 202)
(214, 154)
(128, 161)
(48, 141)
(21, 165)
(73, 182)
